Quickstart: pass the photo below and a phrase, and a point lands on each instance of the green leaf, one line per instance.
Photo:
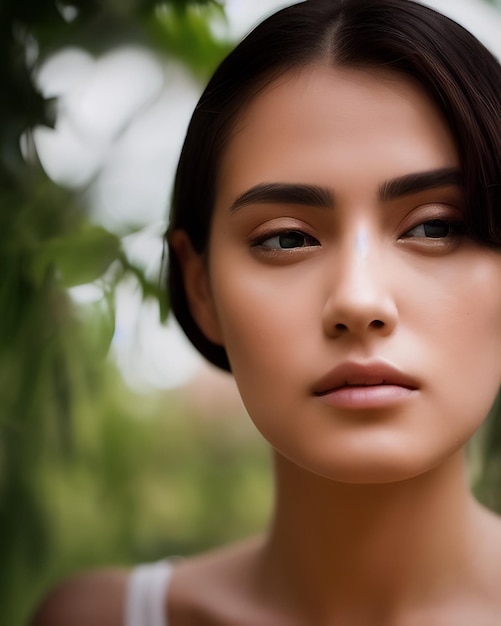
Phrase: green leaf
(149, 288)
(99, 320)
(78, 258)
(186, 34)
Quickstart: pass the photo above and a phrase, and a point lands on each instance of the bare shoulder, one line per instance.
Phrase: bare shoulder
(95, 598)
(219, 587)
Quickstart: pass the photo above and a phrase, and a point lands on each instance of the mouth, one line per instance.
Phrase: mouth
(351, 375)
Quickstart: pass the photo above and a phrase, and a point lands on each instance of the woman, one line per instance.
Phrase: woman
(334, 242)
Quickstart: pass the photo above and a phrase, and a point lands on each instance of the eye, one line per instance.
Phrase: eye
(286, 240)
(435, 229)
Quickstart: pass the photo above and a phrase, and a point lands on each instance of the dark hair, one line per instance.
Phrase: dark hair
(460, 75)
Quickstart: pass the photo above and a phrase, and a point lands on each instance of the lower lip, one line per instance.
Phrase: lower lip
(367, 397)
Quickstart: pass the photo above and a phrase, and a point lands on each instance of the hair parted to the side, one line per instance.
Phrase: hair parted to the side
(460, 75)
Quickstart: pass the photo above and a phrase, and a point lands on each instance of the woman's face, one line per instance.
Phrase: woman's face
(362, 325)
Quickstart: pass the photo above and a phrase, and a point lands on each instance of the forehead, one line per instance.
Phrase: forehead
(326, 125)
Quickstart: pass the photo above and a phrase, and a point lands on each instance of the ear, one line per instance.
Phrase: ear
(196, 285)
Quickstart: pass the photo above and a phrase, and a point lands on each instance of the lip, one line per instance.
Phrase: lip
(374, 384)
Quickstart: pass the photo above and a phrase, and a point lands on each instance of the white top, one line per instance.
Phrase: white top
(145, 602)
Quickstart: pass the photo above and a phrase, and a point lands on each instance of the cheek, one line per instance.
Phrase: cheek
(264, 322)
(272, 332)
(459, 336)
(261, 308)
(472, 318)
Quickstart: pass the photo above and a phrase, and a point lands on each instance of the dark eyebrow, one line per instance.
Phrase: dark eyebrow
(420, 181)
(285, 193)
(322, 197)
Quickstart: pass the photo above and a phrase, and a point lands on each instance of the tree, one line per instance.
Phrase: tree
(48, 244)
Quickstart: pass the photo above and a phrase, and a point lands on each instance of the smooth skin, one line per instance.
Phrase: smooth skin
(354, 252)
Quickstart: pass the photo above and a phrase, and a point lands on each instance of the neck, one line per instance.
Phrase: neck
(390, 544)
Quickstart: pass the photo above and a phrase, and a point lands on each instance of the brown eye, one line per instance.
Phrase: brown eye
(435, 229)
(287, 240)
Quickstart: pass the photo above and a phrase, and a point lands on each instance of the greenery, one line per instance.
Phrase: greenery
(92, 473)
(150, 477)
(75, 463)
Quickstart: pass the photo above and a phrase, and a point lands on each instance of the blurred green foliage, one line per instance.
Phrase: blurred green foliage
(485, 460)
(154, 478)
(78, 470)
(187, 36)
(149, 477)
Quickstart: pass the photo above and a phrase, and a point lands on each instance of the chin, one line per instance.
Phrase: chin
(377, 468)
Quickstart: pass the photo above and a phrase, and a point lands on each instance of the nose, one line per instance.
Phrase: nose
(360, 302)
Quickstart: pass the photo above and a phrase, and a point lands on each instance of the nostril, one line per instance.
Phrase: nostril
(376, 324)
(341, 327)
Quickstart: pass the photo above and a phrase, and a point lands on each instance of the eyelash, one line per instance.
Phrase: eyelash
(455, 229)
(308, 239)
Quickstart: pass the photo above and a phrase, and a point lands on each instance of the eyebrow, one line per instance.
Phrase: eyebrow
(420, 181)
(286, 193)
(323, 197)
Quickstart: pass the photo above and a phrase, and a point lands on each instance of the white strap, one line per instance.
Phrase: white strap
(145, 603)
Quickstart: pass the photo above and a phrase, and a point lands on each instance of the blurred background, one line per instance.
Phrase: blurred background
(118, 444)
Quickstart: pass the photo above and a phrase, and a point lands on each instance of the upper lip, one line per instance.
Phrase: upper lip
(363, 374)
